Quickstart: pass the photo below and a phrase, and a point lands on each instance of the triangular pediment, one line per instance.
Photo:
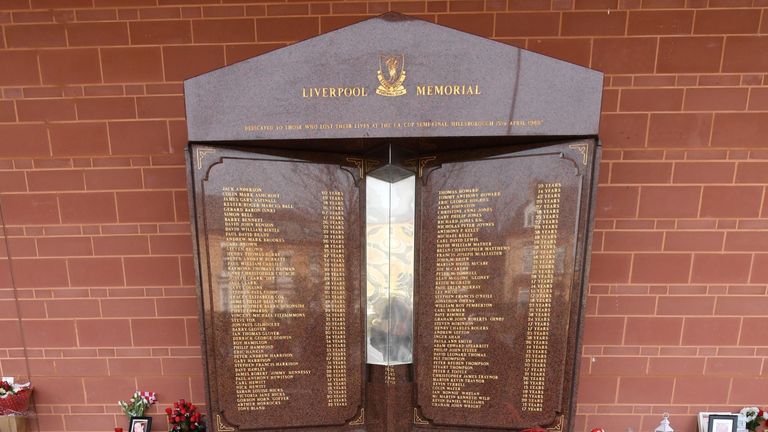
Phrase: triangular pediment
(394, 76)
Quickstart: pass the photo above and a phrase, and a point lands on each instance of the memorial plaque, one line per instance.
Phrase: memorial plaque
(499, 290)
(283, 300)
(392, 229)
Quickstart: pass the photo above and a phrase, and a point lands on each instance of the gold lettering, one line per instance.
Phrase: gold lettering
(545, 226)
(253, 262)
(335, 297)
(448, 90)
(333, 92)
(464, 307)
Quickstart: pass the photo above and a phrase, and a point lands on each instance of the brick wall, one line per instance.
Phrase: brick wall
(94, 203)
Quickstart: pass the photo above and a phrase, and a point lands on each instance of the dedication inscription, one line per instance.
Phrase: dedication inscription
(284, 291)
(497, 252)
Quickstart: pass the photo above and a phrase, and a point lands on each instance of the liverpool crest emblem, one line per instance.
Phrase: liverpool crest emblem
(391, 75)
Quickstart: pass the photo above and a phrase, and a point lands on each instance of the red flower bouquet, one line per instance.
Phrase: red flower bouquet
(184, 417)
(14, 398)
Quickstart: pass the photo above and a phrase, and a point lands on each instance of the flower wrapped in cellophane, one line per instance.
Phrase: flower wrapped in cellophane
(14, 398)
(138, 403)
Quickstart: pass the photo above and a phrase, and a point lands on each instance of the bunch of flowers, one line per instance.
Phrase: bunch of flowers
(755, 417)
(14, 398)
(184, 417)
(138, 403)
(6, 389)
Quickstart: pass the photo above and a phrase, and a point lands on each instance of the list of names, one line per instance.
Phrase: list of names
(258, 309)
(463, 309)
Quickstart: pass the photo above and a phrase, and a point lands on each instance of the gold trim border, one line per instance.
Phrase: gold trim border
(360, 419)
(582, 148)
(417, 419)
(364, 166)
(200, 153)
(559, 423)
(422, 163)
(221, 426)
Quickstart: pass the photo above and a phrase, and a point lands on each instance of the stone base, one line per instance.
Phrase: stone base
(13, 424)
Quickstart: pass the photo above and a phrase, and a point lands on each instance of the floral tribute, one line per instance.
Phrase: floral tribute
(755, 417)
(14, 398)
(184, 417)
(138, 403)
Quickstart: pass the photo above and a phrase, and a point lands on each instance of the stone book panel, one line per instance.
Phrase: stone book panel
(501, 239)
(279, 247)
(501, 255)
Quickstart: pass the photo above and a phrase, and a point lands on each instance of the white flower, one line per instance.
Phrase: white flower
(765, 415)
(749, 412)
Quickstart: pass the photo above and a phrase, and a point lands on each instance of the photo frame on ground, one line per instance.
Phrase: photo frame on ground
(704, 420)
(144, 424)
(722, 423)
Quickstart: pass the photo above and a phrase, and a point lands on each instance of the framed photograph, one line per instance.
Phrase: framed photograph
(144, 424)
(723, 422)
(704, 420)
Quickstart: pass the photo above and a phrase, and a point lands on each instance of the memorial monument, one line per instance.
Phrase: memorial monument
(392, 232)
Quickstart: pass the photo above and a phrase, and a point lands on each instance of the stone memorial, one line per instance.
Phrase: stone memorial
(392, 232)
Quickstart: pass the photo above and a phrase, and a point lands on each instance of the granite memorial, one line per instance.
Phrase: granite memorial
(392, 228)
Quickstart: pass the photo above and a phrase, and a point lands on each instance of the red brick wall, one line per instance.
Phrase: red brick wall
(93, 199)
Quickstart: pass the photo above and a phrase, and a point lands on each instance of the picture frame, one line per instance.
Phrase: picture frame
(722, 423)
(704, 419)
(144, 424)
